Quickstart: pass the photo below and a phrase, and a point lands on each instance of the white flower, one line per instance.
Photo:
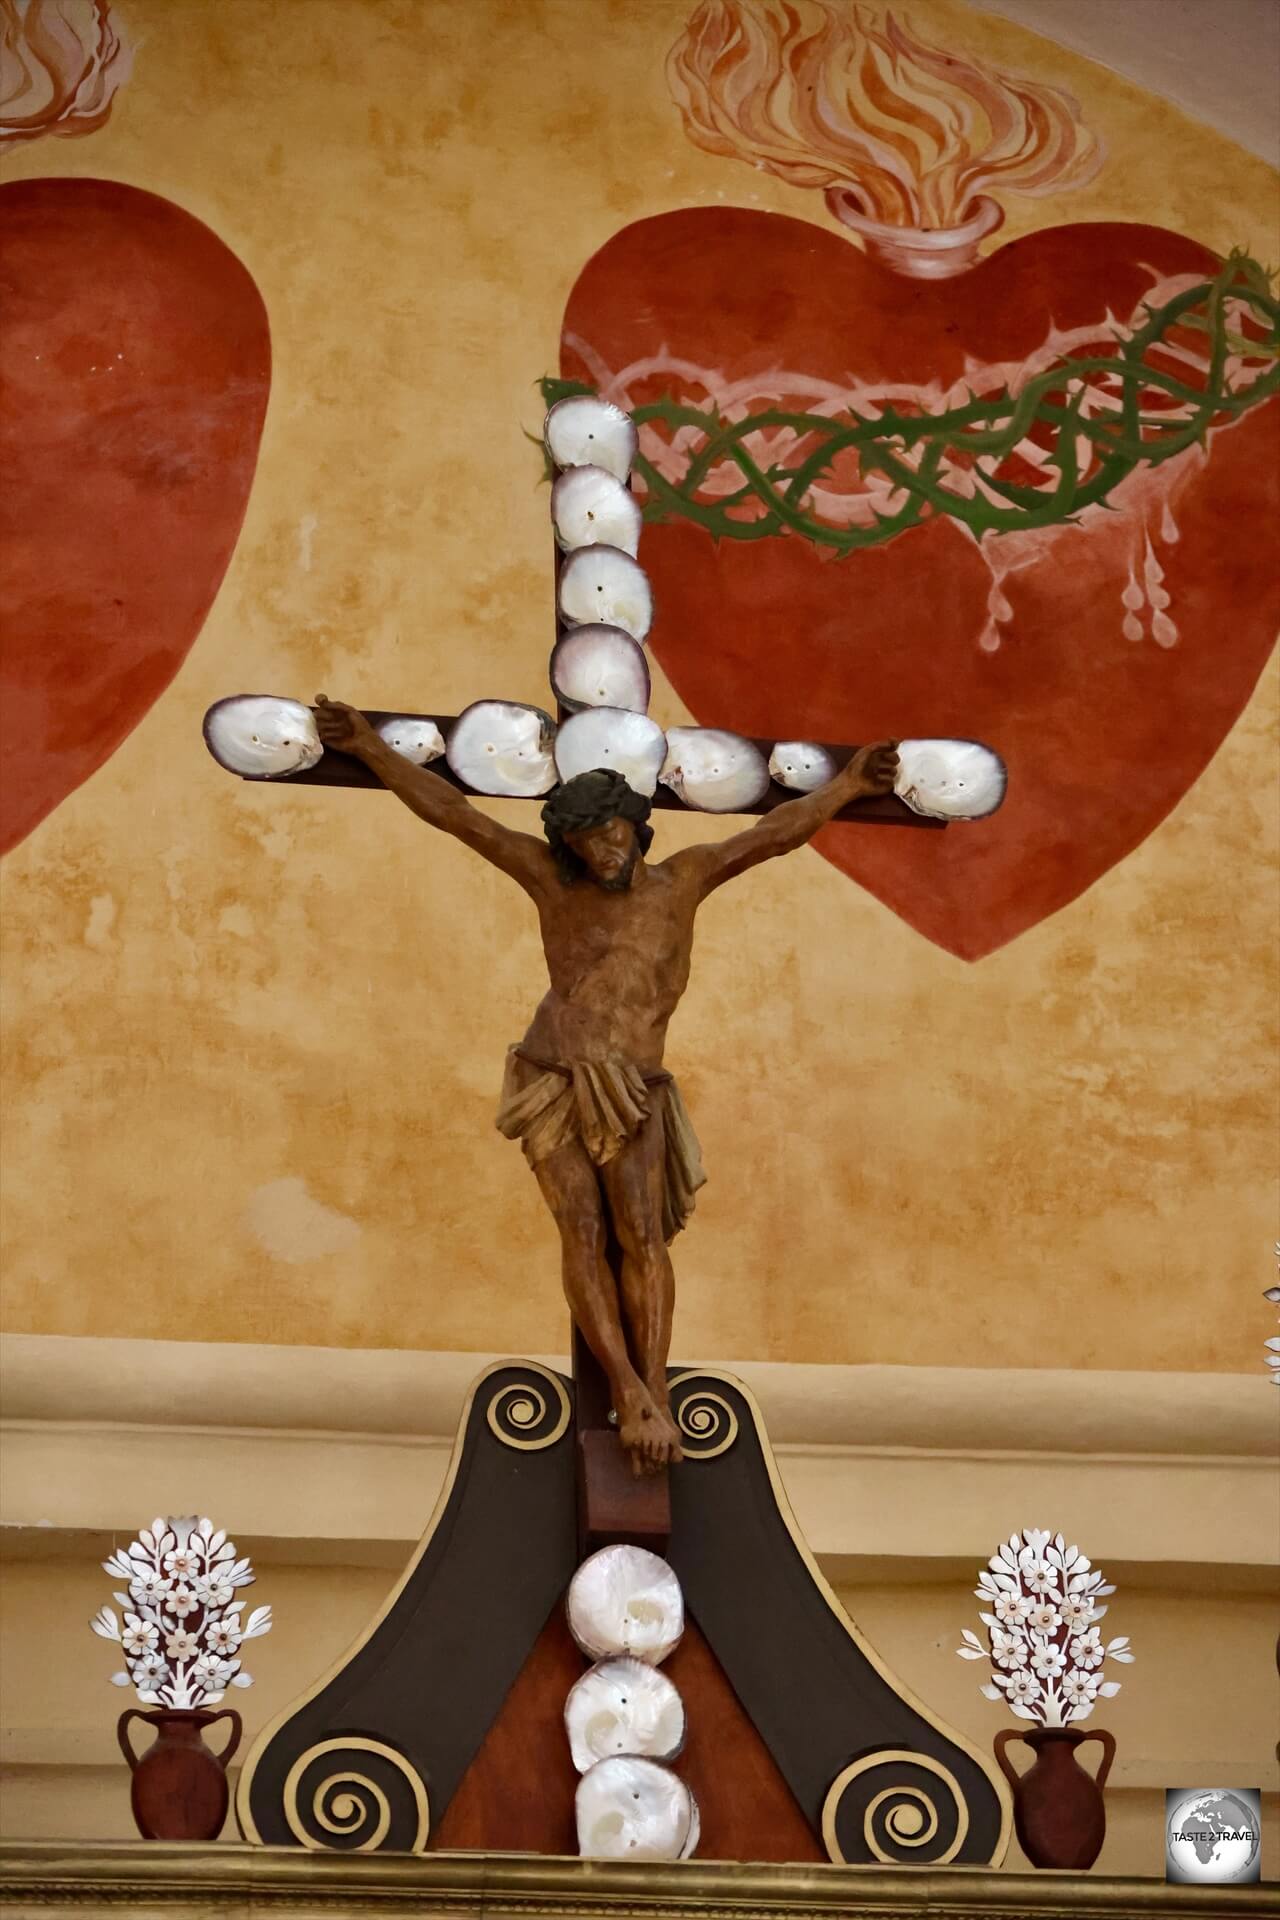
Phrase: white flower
(1087, 1650)
(181, 1645)
(1044, 1617)
(1048, 1660)
(220, 1636)
(1007, 1649)
(147, 1584)
(181, 1602)
(139, 1636)
(1012, 1609)
(1077, 1612)
(1020, 1687)
(150, 1670)
(214, 1591)
(183, 1563)
(1039, 1576)
(210, 1671)
(1078, 1689)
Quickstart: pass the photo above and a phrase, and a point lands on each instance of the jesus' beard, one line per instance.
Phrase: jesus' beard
(621, 881)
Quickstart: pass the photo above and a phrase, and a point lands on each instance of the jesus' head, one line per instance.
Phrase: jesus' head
(597, 828)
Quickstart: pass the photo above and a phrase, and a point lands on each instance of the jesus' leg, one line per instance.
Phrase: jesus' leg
(633, 1184)
(572, 1192)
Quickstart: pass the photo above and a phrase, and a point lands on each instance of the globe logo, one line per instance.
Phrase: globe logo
(1213, 1834)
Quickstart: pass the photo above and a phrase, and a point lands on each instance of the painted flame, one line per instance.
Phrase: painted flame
(61, 64)
(832, 100)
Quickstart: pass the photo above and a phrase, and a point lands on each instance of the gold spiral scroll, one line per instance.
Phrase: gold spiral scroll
(905, 1821)
(521, 1414)
(708, 1424)
(350, 1804)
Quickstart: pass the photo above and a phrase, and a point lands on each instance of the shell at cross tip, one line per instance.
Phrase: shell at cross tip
(801, 765)
(625, 1600)
(602, 585)
(590, 508)
(629, 743)
(585, 431)
(503, 748)
(632, 1809)
(623, 1706)
(950, 779)
(417, 740)
(714, 771)
(262, 737)
(600, 667)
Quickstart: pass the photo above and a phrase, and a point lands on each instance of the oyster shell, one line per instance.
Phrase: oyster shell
(633, 1809)
(418, 740)
(600, 667)
(625, 1600)
(630, 743)
(801, 766)
(601, 585)
(950, 779)
(714, 771)
(261, 737)
(503, 748)
(585, 431)
(623, 1706)
(590, 508)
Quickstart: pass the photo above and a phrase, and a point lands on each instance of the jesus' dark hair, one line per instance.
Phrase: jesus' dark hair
(592, 800)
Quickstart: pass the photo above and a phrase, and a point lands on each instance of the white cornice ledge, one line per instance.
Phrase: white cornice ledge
(393, 1392)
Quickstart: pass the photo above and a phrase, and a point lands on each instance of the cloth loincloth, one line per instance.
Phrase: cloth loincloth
(604, 1104)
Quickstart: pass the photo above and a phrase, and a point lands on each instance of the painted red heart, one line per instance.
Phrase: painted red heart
(137, 361)
(1102, 736)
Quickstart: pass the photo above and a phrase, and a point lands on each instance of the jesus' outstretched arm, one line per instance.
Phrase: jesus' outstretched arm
(344, 729)
(871, 771)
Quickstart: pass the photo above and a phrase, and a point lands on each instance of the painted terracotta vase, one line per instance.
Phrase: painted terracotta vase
(1058, 1808)
(179, 1787)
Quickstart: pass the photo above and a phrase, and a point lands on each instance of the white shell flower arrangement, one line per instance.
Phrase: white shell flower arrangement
(183, 1621)
(1045, 1649)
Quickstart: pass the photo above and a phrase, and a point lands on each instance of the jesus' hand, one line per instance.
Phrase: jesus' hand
(342, 728)
(874, 769)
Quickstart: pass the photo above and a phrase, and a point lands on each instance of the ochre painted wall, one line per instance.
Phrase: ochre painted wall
(254, 1037)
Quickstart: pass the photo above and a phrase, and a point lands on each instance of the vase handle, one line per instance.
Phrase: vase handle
(130, 1713)
(1001, 1741)
(237, 1728)
(1108, 1752)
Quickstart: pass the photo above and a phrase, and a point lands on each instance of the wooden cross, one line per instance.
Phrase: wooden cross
(613, 1503)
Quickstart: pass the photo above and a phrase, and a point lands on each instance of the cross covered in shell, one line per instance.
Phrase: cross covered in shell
(586, 1090)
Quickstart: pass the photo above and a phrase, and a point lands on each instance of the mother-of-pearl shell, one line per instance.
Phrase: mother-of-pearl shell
(629, 743)
(504, 748)
(601, 585)
(714, 771)
(417, 740)
(634, 1809)
(589, 508)
(623, 1706)
(600, 667)
(625, 1600)
(950, 779)
(801, 765)
(262, 737)
(585, 431)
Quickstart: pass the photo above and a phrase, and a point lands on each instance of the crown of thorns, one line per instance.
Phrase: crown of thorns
(592, 800)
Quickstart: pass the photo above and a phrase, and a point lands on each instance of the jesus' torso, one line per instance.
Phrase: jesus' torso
(618, 962)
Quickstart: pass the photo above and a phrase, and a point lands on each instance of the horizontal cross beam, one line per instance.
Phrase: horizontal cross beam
(341, 770)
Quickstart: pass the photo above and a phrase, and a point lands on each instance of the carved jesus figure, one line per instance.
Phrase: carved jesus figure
(600, 1120)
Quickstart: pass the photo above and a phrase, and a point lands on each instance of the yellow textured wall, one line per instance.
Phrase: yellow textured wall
(254, 1036)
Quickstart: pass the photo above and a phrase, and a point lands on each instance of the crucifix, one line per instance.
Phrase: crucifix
(587, 1092)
